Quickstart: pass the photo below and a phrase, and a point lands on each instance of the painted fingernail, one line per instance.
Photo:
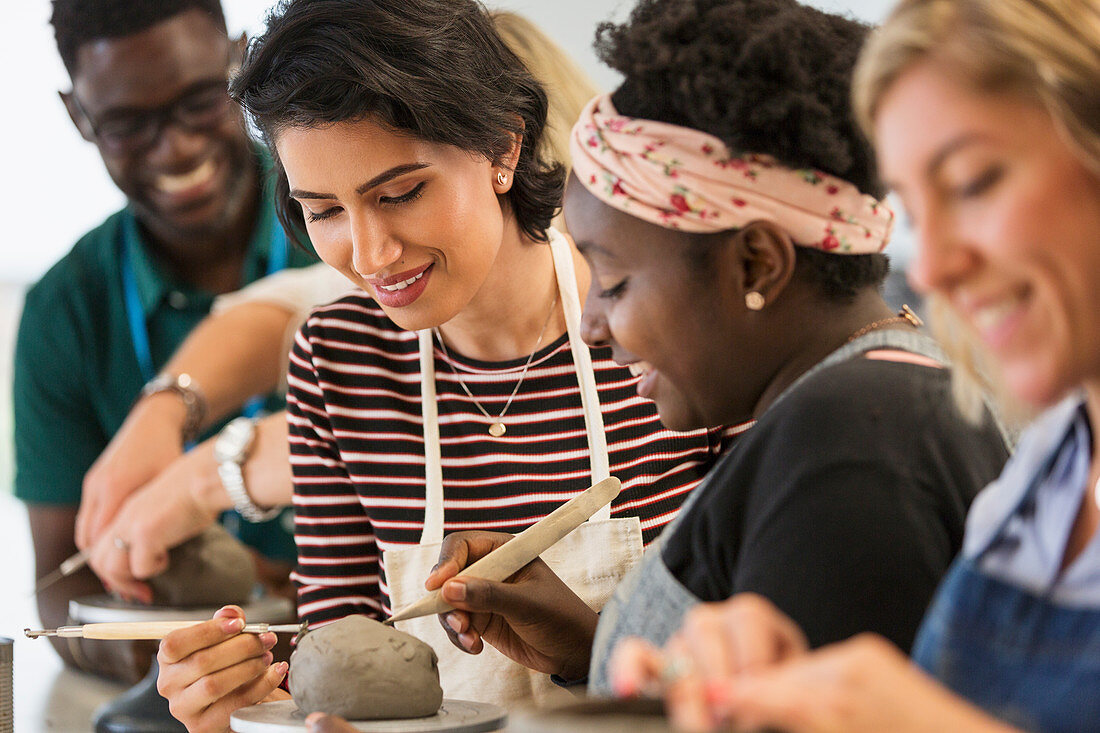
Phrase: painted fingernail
(268, 639)
(232, 625)
(717, 693)
(281, 668)
(454, 622)
(268, 658)
(454, 591)
(624, 687)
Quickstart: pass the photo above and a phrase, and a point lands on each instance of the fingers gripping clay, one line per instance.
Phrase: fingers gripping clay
(213, 569)
(361, 670)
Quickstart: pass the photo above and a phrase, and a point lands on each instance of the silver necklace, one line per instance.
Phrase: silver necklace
(496, 426)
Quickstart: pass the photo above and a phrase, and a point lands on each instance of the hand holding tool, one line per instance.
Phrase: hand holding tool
(64, 570)
(523, 548)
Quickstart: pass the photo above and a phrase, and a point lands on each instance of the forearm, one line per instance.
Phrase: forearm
(231, 357)
(234, 355)
(266, 471)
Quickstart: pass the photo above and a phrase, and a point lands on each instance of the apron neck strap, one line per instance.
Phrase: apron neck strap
(433, 461)
(590, 399)
(1037, 480)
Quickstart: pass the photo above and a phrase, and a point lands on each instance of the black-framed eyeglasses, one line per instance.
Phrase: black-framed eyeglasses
(203, 106)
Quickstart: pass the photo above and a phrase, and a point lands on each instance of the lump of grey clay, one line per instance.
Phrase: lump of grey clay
(361, 670)
(212, 569)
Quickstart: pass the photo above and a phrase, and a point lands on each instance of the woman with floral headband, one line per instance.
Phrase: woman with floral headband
(727, 207)
(984, 113)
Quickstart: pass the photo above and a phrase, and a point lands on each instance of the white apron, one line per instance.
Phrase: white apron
(591, 560)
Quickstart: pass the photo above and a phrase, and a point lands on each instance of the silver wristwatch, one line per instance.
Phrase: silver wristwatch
(188, 391)
(231, 449)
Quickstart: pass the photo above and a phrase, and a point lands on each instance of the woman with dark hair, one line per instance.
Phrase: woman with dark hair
(455, 392)
(727, 206)
(984, 115)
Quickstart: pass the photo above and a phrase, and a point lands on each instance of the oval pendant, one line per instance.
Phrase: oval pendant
(497, 429)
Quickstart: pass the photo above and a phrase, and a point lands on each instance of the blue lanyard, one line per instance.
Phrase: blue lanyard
(135, 313)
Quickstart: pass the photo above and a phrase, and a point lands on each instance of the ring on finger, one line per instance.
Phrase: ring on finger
(122, 544)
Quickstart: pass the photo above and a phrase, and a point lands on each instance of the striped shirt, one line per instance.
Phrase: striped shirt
(357, 449)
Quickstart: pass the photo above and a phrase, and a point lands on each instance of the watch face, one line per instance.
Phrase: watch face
(234, 440)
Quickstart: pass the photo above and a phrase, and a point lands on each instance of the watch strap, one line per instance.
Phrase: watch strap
(233, 480)
(189, 392)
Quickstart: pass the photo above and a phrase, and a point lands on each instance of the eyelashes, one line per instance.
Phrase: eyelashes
(416, 192)
(614, 291)
(981, 184)
(321, 215)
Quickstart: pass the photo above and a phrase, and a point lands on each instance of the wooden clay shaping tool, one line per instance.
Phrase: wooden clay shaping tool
(523, 548)
(148, 629)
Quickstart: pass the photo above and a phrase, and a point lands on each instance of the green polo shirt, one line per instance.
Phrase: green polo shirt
(76, 371)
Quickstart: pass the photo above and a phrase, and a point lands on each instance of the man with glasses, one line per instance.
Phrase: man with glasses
(149, 90)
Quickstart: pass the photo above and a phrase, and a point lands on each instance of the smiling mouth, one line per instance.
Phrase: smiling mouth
(197, 176)
(647, 378)
(989, 317)
(403, 284)
(995, 320)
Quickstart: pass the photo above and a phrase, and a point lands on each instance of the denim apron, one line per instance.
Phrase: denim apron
(650, 602)
(1014, 653)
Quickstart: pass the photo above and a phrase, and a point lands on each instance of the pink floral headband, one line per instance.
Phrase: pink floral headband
(681, 178)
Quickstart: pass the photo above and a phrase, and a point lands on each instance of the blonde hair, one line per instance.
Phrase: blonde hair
(975, 380)
(1045, 52)
(567, 86)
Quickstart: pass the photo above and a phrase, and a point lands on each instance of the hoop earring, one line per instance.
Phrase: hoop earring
(754, 301)
(502, 179)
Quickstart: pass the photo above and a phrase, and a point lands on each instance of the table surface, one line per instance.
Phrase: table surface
(48, 697)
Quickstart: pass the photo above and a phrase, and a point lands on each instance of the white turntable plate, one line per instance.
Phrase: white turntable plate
(454, 716)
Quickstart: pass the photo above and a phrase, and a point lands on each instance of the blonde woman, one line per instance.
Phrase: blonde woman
(984, 116)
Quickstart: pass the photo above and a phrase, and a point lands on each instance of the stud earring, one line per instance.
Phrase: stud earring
(754, 301)
(502, 179)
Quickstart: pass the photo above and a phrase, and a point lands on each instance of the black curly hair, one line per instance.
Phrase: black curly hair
(434, 69)
(76, 22)
(763, 76)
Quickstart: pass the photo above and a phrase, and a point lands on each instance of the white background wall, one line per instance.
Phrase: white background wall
(53, 185)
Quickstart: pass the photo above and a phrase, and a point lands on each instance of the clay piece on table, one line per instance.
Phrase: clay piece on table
(212, 569)
(361, 670)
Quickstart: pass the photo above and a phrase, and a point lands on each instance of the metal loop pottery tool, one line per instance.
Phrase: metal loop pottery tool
(64, 570)
(523, 548)
(150, 629)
